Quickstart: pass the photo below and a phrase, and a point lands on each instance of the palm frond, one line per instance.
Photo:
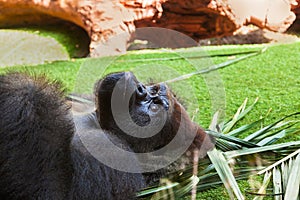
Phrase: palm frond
(218, 66)
(264, 132)
(263, 188)
(241, 112)
(223, 169)
(169, 189)
(286, 177)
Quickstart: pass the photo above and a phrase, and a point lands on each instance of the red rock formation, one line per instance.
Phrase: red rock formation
(296, 25)
(104, 19)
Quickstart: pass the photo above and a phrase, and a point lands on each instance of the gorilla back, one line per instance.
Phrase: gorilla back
(38, 159)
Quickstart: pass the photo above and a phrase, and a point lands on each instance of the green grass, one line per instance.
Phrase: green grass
(272, 76)
(73, 38)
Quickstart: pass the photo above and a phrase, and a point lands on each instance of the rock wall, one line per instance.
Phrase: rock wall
(104, 19)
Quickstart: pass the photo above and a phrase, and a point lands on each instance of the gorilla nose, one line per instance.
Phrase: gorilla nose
(141, 91)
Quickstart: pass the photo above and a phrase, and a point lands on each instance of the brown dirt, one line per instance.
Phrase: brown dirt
(245, 35)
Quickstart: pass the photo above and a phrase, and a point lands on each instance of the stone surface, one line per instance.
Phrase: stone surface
(296, 25)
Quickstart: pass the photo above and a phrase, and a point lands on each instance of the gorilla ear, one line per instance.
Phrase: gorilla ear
(103, 91)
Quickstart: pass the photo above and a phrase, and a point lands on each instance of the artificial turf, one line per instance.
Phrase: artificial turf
(272, 76)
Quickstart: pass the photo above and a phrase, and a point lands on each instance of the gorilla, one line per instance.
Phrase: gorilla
(45, 151)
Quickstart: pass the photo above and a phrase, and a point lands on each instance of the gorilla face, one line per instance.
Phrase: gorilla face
(123, 104)
(151, 99)
(149, 105)
(120, 95)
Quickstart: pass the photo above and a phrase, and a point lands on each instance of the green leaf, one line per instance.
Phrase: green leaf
(218, 66)
(241, 112)
(277, 183)
(233, 140)
(262, 189)
(244, 128)
(225, 174)
(232, 154)
(279, 135)
(24, 48)
(292, 189)
(266, 129)
(280, 126)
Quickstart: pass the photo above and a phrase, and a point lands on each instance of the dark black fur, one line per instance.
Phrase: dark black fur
(38, 159)
(140, 102)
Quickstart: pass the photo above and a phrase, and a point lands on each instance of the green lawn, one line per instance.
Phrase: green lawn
(272, 76)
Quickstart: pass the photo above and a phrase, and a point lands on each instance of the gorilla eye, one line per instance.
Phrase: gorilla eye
(154, 107)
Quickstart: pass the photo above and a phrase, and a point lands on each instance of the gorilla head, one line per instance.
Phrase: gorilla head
(121, 94)
(146, 117)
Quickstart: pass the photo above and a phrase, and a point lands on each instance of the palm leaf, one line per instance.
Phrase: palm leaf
(169, 189)
(244, 128)
(293, 184)
(286, 176)
(223, 169)
(242, 152)
(277, 183)
(263, 188)
(266, 130)
(279, 134)
(241, 112)
(218, 66)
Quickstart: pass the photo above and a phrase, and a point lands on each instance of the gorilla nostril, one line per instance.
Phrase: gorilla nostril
(162, 101)
(141, 90)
